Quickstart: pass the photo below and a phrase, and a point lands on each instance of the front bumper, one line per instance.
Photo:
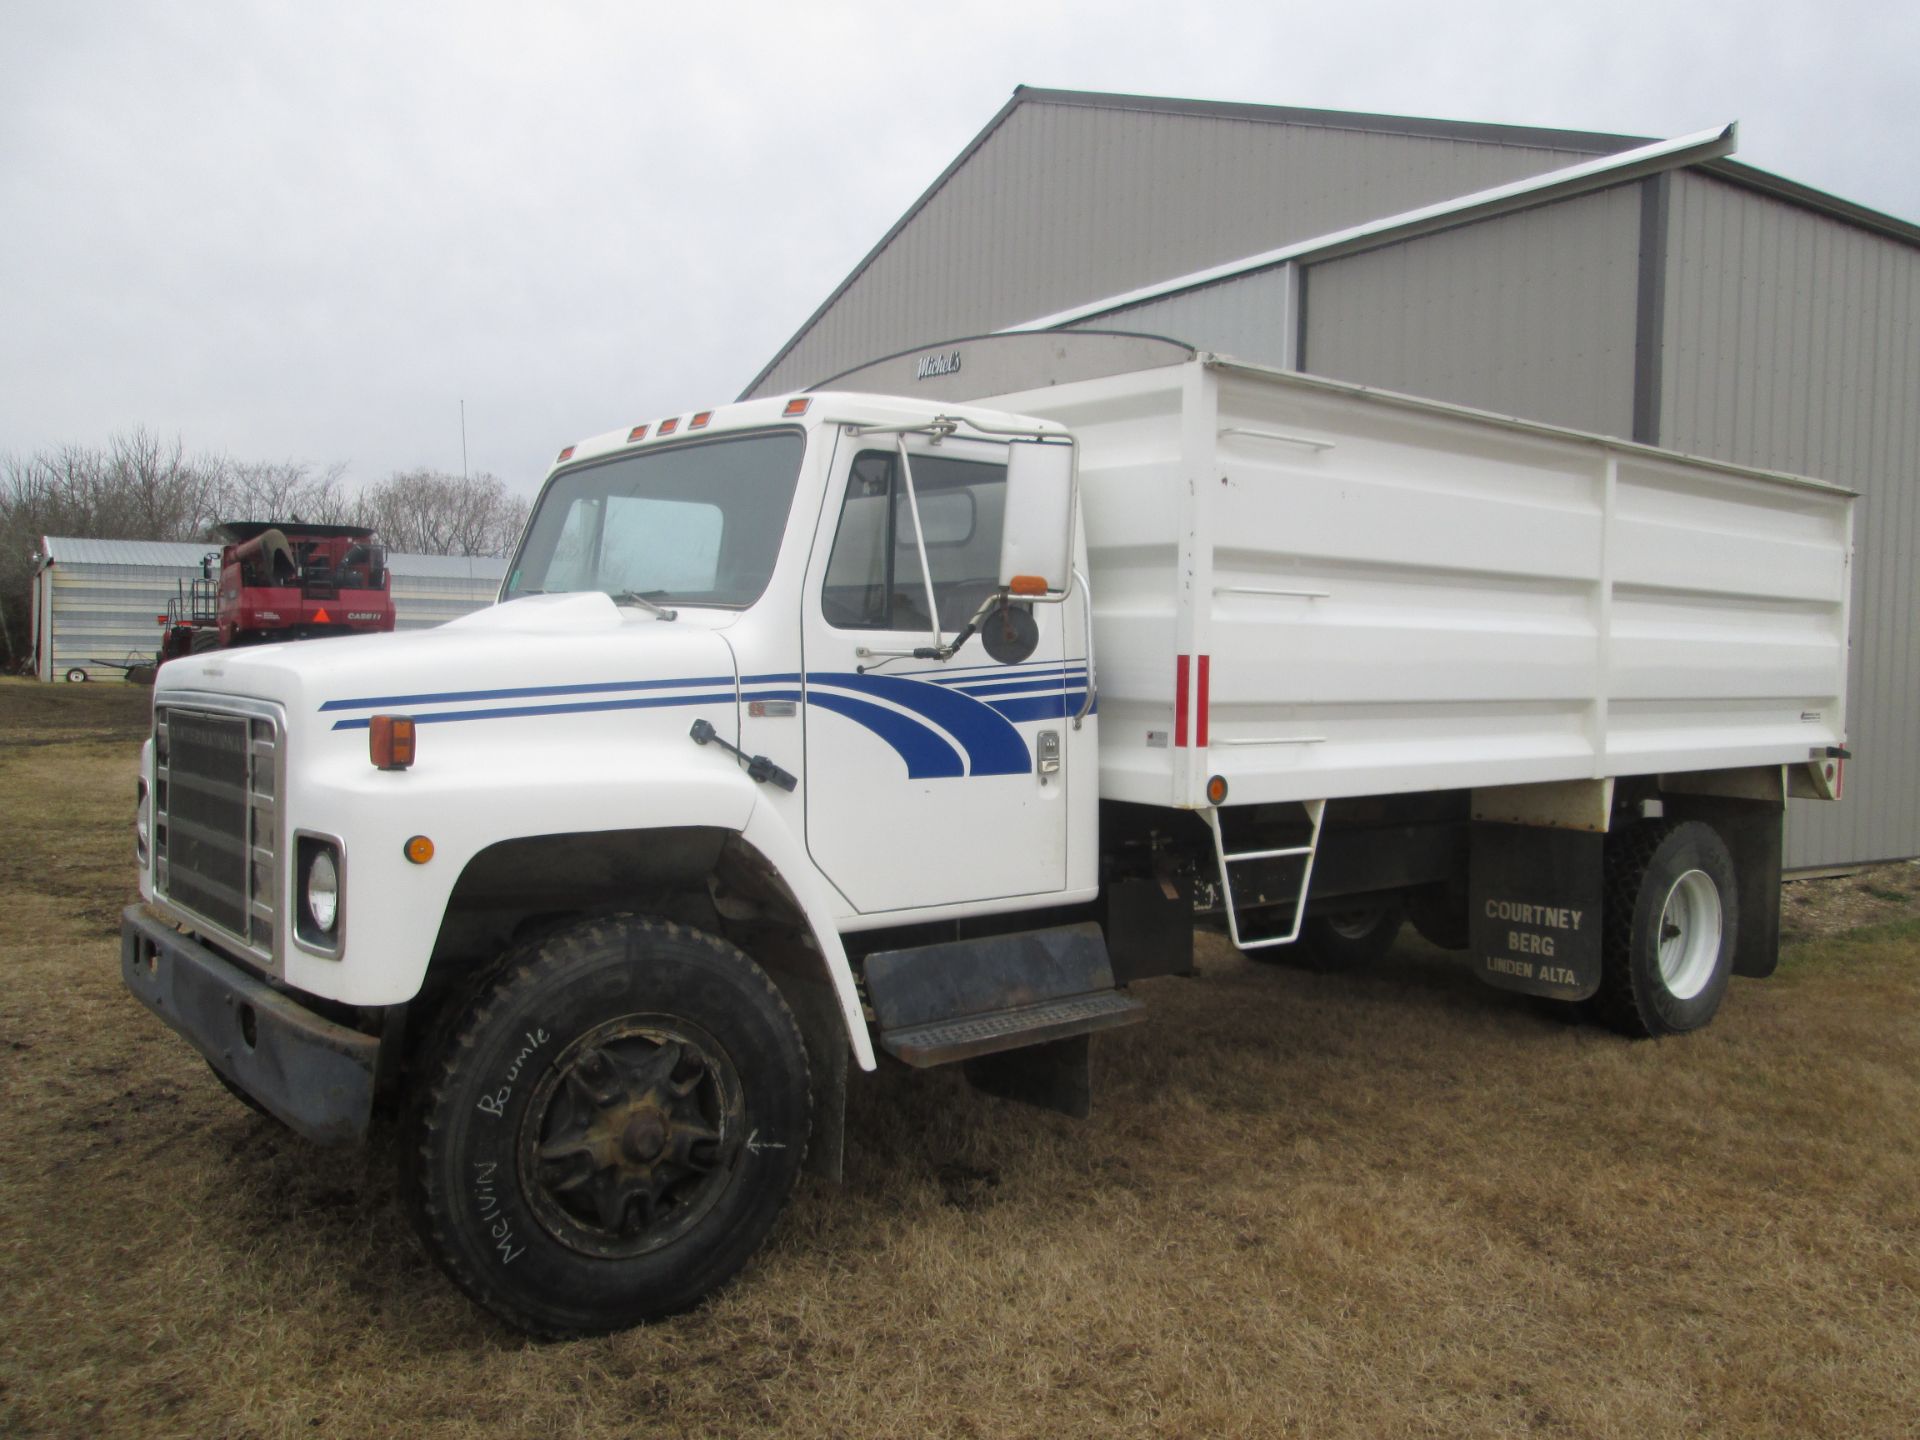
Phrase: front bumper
(312, 1073)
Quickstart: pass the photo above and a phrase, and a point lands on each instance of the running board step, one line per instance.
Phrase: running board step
(961, 999)
(948, 1040)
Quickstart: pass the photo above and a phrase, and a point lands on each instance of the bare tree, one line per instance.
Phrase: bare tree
(281, 490)
(426, 512)
(141, 487)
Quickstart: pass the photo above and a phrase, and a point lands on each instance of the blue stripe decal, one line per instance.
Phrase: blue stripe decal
(993, 746)
(949, 675)
(984, 729)
(1017, 687)
(1005, 672)
(928, 755)
(514, 711)
(374, 702)
(1042, 707)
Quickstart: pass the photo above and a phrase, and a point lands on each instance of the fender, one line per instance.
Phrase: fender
(392, 913)
(768, 833)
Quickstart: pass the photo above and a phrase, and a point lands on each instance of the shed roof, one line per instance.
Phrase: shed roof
(1579, 141)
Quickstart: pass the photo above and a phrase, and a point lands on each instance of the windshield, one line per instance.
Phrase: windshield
(697, 524)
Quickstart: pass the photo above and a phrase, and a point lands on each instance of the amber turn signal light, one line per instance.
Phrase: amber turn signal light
(419, 849)
(390, 741)
(1028, 585)
(1217, 790)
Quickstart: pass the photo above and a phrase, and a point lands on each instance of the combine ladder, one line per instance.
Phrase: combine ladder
(1316, 810)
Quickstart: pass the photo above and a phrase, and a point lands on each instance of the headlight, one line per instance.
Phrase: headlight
(323, 892)
(317, 872)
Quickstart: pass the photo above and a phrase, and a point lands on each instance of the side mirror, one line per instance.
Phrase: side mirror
(1036, 543)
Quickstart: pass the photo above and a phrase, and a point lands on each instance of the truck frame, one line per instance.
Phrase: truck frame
(912, 718)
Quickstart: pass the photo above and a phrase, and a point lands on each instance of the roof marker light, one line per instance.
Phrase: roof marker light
(699, 422)
(638, 432)
(667, 427)
(566, 454)
(797, 407)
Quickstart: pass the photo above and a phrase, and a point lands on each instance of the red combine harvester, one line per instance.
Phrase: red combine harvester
(280, 582)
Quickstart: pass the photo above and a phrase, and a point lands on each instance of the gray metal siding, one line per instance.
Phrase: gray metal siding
(422, 601)
(1247, 317)
(1530, 314)
(1064, 204)
(104, 613)
(1792, 340)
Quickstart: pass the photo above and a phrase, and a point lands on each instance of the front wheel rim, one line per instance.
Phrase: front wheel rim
(631, 1137)
(1690, 933)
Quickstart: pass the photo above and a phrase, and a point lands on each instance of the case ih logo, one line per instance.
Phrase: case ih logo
(929, 366)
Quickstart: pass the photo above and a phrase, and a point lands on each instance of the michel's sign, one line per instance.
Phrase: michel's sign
(945, 363)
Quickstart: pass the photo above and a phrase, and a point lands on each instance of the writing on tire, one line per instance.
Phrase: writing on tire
(611, 1129)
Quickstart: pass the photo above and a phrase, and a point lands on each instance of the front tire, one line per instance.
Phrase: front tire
(611, 1131)
(1668, 933)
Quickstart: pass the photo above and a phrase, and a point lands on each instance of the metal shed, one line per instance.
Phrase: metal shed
(1653, 290)
(95, 601)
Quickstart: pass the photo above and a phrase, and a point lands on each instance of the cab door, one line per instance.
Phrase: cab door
(929, 782)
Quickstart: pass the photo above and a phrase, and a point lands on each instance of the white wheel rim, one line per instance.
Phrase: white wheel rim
(1689, 944)
(1355, 924)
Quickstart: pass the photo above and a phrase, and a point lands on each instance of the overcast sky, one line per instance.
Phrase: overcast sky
(309, 231)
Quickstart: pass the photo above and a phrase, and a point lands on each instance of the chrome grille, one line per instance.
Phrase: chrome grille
(215, 823)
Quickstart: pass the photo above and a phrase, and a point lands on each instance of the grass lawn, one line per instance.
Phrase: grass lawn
(1372, 1204)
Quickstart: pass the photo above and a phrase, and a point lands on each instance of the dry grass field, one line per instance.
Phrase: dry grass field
(1380, 1204)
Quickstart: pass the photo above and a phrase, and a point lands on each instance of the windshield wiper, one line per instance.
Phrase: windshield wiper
(635, 598)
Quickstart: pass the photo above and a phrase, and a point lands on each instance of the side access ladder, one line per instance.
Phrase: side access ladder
(1316, 811)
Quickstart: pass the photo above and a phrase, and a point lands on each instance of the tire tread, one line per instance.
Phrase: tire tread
(529, 965)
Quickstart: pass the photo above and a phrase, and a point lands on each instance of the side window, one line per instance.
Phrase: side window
(873, 579)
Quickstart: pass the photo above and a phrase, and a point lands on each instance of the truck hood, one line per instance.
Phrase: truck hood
(548, 651)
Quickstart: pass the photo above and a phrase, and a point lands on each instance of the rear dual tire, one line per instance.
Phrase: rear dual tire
(1341, 940)
(1669, 929)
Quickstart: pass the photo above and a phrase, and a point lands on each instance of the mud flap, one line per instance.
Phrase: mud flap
(1054, 1076)
(1535, 909)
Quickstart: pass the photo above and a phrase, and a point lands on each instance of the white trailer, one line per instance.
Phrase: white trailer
(919, 715)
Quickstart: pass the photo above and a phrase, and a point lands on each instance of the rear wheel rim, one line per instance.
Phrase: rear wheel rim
(1688, 945)
(1354, 924)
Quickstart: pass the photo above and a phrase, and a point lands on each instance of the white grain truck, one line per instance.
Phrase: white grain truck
(921, 713)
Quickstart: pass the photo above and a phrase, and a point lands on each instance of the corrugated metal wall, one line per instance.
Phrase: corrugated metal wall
(103, 613)
(1792, 341)
(1528, 314)
(1248, 318)
(1067, 203)
(422, 601)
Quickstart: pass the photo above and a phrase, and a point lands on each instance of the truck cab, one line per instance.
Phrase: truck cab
(761, 679)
